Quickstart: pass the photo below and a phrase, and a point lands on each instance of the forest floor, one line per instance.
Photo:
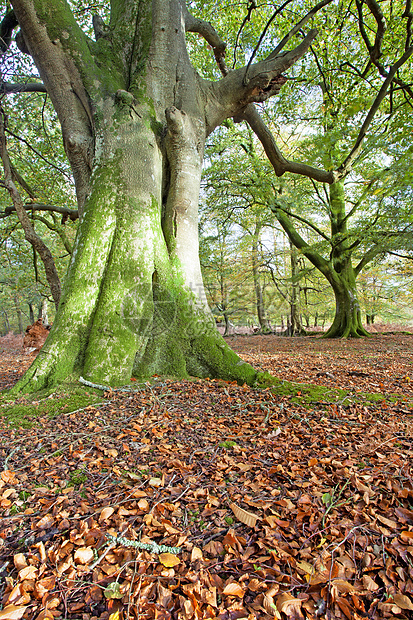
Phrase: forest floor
(205, 499)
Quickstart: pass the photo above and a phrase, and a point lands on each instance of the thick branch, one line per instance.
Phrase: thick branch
(29, 233)
(368, 257)
(73, 214)
(229, 96)
(56, 60)
(346, 165)
(296, 239)
(7, 25)
(277, 159)
(28, 87)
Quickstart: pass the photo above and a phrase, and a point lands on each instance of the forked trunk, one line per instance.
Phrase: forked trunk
(135, 116)
(134, 302)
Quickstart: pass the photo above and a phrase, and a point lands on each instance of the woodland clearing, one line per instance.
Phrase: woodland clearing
(220, 501)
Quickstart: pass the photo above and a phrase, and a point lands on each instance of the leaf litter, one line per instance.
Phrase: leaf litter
(203, 499)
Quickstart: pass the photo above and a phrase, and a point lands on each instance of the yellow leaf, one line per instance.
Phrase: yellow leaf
(322, 542)
(306, 567)
(12, 612)
(168, 559)
(114, 616)
(242, 515)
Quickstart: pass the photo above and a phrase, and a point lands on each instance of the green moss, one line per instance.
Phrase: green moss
(24, 412)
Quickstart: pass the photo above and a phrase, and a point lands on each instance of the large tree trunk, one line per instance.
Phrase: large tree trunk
(133, 302)
(135, 117)
(347, 320)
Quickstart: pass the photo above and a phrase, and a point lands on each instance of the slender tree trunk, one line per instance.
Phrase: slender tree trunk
(31, 313)
(259, 298)
(19, 314)
(6, 322)
(295, 328)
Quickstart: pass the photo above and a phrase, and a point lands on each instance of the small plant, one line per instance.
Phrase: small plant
(227, 444)
(78, 477)
(332, 500)
(229, 520)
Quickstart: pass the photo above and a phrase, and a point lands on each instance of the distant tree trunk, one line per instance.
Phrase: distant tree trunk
(259, 299)
(6, 322)
(338, 270)
(227, 323)
(43, 314)
(31, 312)
(294, 328)
(19, 314)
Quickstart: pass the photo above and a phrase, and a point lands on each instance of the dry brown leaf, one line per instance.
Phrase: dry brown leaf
(403, 601)
(83, 555)
(369, 583)
(8, 476)
(233, 589)
(20, 561)
(196, 554)
(242, 515)
(290, 606)
(106, 513)
(388, 522)
(12, 612)
(28, 572)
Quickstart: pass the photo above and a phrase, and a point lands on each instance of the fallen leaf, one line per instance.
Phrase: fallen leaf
(168, 559)
(83, 555)
(106, 513)
(403, 601)
(242, 515)
(233, 589)
(11, 612)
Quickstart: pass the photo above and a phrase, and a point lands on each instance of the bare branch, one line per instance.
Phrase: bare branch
(298, 27)
(27, 87)
(72, 214)
(277, 159)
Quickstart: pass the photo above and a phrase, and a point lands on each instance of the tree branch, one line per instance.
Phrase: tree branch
(72, 214)
(8, 88)
(344, 168)
(279, 163)
(29, 232)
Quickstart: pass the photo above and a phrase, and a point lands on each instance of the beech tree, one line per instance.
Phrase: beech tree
(135, 116)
